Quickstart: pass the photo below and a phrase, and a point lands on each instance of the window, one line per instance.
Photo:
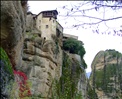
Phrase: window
(40, 21)
(39, 27)
(47, 26)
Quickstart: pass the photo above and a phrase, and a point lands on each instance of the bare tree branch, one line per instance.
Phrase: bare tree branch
(111, 6)
(80, 12)
(92, 17)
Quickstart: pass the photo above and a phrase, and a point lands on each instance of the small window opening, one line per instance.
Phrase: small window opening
(47, 26)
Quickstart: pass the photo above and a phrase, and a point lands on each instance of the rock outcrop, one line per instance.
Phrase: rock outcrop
(78, 74)
(13, 20)
(36, 57)
(72, 83)
(42, 60)
(106, 77)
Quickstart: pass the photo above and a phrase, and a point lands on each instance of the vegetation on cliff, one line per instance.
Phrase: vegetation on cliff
(12, 80)
(107, 74)
(66, 87)
(7, 76)
(76, 47)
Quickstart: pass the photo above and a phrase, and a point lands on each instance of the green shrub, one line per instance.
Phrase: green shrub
(5, 59)
(66, 87)
(7, 76)
(76, 47)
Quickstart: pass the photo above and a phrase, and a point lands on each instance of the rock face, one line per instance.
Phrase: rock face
(30, 22)
(82, 84)
(43, 58)
(107, 74)
(13, 20)
(42, 61)
(82, 79)
(72, 83)
(33, 54)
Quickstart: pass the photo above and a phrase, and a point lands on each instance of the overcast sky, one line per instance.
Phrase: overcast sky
(93, 42)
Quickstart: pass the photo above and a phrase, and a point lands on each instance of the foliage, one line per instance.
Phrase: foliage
(108, 79)
(5, 59)
(76, 47)
(114, 53)
(14, 93)
(57, 43)
(71, 45)
(7, 76)
(24, 89)
(107, 85)
(79, 95)
(90, 92)
(66, 87)
(31, 36)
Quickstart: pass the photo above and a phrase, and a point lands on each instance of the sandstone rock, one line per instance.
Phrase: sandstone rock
(49, 46)
(106, 67)
(43, 66)
(13, 18)
(29, 22)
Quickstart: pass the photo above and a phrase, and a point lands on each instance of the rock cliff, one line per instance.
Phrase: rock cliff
(37, 59)
(13, 26)
(106, 77)
(13, 20)
(42, 61)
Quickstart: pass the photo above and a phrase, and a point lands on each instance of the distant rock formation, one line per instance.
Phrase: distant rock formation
(106, 76)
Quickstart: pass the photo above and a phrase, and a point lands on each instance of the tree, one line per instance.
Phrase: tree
(71, 45)
(94, 15)
(74, 46)
(104, 75)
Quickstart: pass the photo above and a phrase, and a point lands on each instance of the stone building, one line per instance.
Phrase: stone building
(42, 57)
(46, 22)
(43, 61)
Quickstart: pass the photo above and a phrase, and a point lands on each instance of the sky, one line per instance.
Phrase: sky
(93, 42)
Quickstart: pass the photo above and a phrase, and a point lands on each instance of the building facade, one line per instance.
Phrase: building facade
(47, 24)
